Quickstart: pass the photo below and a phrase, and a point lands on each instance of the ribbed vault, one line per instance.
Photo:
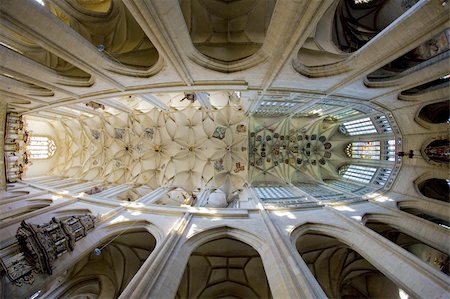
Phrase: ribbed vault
(224, 268)
(187, 148)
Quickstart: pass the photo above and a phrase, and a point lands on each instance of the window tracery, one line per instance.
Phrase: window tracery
(372, 150)
(357, 173)
(359, 127)
(41, 147)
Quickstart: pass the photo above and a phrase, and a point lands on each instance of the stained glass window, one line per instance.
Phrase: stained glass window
(364, 150)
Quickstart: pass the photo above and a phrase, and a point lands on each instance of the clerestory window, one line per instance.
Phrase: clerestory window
(359, 127)
(358, 173)
(41, 147)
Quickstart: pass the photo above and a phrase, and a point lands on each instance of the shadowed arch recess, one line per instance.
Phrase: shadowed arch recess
(224, 267)
(341, 271)
(106, 275)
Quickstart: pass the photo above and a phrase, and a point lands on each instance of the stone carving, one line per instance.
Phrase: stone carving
(148, 133)
(95, 134)
(19, 270)
(119, 133)
(218, 165)
(42, 245)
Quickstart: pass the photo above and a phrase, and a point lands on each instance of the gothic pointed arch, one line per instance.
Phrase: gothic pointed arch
(430, 52)
(416, 210)
(431, 255)
(224, 267)
(227, 35)
(415, 93)
(108, 272)
(341, 271)
(112, 29)
(345, 27)
(436, 188)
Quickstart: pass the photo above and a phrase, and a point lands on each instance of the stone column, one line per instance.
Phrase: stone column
(147, 281)
(297, 278)
(83, 186)
(61, 184)
(116, 190)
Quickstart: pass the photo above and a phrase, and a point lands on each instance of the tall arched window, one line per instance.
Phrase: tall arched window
(41, 147)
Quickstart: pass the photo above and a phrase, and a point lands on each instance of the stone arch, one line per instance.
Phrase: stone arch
(435, 188)
(385, 226)
(115, 228)
(208, 249)
(357, 22)
(346, 26)
(21, 211)
(230, 36)
(430, 52)
(417, 209)
(353, 275)
(14, 194)
(16, 46)
(437, 86)
(107, 274)
(433, 114)
(19, 86)
(113, 30)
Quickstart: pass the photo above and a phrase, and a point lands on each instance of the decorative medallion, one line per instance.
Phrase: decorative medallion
(219, 133)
